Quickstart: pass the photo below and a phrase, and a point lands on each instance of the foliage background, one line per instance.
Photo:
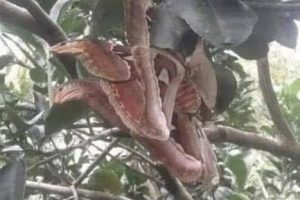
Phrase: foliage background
(27, 68)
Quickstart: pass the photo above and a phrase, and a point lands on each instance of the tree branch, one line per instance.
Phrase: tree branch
(269, 95)
(45, 23)
(289, 6)
(12, 15)
(219, 134)
(53, 189)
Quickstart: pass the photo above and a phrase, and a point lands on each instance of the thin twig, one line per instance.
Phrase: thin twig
(50, 72)
(101, 135)
(75, 192)
(100, 157)
(88, 121)
(269, 95)
(54, 189)
(135, 170)
(173, 185)
(60, 152)
(138, 154)
(43, 162)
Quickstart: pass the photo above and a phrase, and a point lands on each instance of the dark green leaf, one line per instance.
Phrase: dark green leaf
(68, 138)
(221, 22)
(227, 86)
(253, 48)
(2, 83)
(39, 89)
(73, 21)
(6, 60)
(36, 133)
(107, 19)
(16, 120)
(287, 32)
(238, 167)
(38, 75)
(134, 178)
(168, 29)
(256, 46)
(58, 8)
(222, 193)
(105, 180)
(62, 115)
(239, 196)
(272, 25)
(46, 5)
(12, 181)
(25, 36)
(295, 14)
(143, 190)
(294, 87)
(116, 166)
(59, 76)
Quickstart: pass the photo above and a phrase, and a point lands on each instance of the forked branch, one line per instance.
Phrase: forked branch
(221, 134)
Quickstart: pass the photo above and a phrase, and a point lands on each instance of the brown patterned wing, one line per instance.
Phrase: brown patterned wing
(97, 57)
(128, 99)
(136, 105)
(202, 75)
(195, 143)
(175, 159)
(188, 98)
(182, 165)
(91, 93)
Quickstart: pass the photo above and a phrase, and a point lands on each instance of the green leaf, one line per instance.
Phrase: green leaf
(227, 86)
(238, 196)
(269, 27)
(46, 5)
(5, 60)
(39, 89)
(220, 22)
(26, 36)
(68, 138)
(12, 180)
(238, 167)
(59, 7)
(108, 19)
(222, 193)
(16, 120)
(294, 87)
(168, 29)
(38, 75)
(134, 178)
(116, 166)
(106, 180)
(3, 160)
(72, 21)
(62, 115)
(289, 36)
